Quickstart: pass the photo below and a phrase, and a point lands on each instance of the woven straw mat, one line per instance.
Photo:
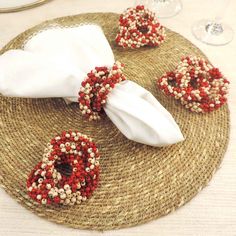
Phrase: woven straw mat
(138, 183)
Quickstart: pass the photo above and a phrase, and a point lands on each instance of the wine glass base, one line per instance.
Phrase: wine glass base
(213, 33)
(166, 8)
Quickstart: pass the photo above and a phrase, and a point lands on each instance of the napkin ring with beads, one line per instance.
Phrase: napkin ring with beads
(68, 172)
(96, 87)
(139, 27)
(198, 85)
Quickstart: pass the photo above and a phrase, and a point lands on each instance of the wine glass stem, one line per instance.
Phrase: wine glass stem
(215, 27)
(222, 8)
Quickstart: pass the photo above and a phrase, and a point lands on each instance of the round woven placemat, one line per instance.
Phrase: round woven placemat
(138, 183)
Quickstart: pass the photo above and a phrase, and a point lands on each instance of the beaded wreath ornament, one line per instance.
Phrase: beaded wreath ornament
(79, 157)
(96, 87)
(139, 27)
(198, 85)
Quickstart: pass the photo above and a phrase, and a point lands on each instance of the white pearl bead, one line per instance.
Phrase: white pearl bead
(63, 196)
(44, 201)
(48, 186)
(68, 191)
(73, 199)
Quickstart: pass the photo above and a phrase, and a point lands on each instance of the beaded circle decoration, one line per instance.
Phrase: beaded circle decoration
(78, 156)
(96, 87)
(139, 27)
(197, 84)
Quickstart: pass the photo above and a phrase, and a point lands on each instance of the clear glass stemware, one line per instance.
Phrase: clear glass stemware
(163, 8)
(214, 31)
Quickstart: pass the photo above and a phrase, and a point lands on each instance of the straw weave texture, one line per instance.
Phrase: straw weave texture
(138, 183)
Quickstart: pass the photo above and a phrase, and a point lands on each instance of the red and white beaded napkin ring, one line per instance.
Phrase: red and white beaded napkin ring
(74, 151)
(197, 84)
(96, 87)
(139, 27)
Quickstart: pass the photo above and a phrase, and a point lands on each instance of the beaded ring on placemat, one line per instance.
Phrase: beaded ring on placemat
(77, 157)
(139, 27)
(138, 183)
(197, 84)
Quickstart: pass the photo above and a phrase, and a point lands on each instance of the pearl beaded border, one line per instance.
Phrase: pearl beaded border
(139, 27)
(47, 185)
(197, 84)
(96, 87)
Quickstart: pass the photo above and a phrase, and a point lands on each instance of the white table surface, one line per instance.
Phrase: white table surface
(15, 3)
(211, 212)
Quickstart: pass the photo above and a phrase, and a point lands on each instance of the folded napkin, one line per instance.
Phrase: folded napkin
(56, 61)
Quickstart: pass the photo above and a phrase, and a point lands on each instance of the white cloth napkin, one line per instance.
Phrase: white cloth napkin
(56, 61)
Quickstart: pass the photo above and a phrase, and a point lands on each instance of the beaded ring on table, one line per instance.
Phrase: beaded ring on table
(197, 84)
(96, 87)
(139, 27)
(79, 155)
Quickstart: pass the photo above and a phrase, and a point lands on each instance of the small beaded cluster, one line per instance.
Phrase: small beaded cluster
(47, 185)
(96, 87)
(139, 27)
(197, 84)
